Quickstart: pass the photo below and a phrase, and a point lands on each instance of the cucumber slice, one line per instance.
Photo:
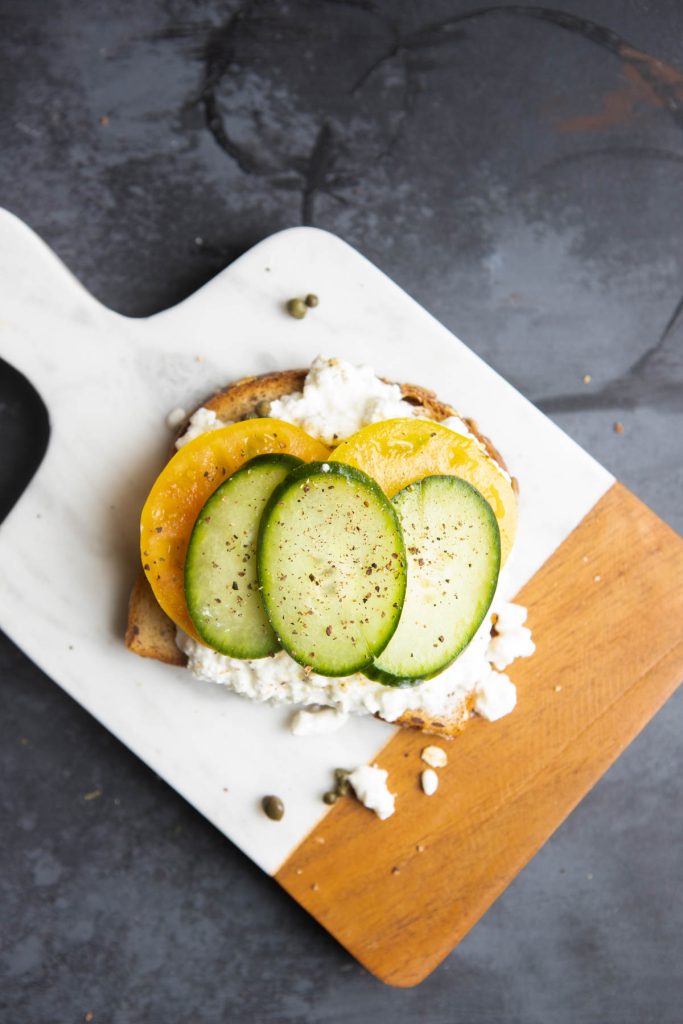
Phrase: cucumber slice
(221, 588)
(453, 548)
(332, 567)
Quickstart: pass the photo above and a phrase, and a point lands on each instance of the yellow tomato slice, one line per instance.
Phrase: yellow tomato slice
(185, 484)
(395, 453)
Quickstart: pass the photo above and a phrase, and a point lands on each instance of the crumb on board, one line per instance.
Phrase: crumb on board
(429, 781)
(434, 756)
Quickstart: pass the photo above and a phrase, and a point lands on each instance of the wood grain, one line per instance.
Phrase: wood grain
(606, 612)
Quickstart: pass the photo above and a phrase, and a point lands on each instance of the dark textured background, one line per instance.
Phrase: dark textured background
(519, 171)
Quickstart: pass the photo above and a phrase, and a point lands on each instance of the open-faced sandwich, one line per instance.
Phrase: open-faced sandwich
(327, 539)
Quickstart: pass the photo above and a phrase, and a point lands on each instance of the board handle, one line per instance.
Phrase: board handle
(31, 276)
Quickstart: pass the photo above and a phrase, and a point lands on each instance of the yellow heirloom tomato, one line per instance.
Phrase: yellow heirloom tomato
(185, 484)
(397, 452)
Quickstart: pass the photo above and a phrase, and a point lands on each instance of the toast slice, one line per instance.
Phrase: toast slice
(151, 634)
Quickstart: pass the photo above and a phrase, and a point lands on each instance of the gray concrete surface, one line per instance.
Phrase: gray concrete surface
(519, 171)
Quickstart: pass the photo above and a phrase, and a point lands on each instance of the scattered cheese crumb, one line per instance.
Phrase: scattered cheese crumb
(420, 848)
(175, 418)
(430, 782)
(316, 720)
(587, 378)
(558, 689)
(434, 756)
(370, 786)
(497, 699)
(597, 578)
(93, 794)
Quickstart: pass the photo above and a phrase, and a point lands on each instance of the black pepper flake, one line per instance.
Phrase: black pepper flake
(328, 631)
(234, 585)
(146, 567)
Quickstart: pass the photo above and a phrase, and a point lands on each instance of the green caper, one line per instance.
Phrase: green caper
(331, 797)
(311, 300)
(342, 784)
(297, 308)
(273, 807)
(263, 408)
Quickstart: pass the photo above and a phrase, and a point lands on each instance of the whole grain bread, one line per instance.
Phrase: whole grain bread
(151, 634)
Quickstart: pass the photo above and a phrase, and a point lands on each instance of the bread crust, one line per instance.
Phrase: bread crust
(151, 634)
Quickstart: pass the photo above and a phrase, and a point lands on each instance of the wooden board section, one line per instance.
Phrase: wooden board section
(606, 612)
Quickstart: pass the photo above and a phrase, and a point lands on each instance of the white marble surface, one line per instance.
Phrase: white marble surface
(69, 547)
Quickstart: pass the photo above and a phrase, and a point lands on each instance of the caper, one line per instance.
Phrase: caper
(263, 408)
(331, 797)
(342, 784)
(297, 308)
(273, 807)
(311, 300)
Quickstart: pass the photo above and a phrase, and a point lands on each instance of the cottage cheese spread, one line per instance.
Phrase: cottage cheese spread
(337, 400)
(201, 422)
(281, 680)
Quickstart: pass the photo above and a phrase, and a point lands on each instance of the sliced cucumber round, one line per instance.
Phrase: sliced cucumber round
(332, 567)
(221, 586)
(453, 548)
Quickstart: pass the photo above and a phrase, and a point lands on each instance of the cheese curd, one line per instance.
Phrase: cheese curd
(369, 783)
(337, 400)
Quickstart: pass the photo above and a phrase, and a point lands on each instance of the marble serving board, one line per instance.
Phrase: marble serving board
(69, 547)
